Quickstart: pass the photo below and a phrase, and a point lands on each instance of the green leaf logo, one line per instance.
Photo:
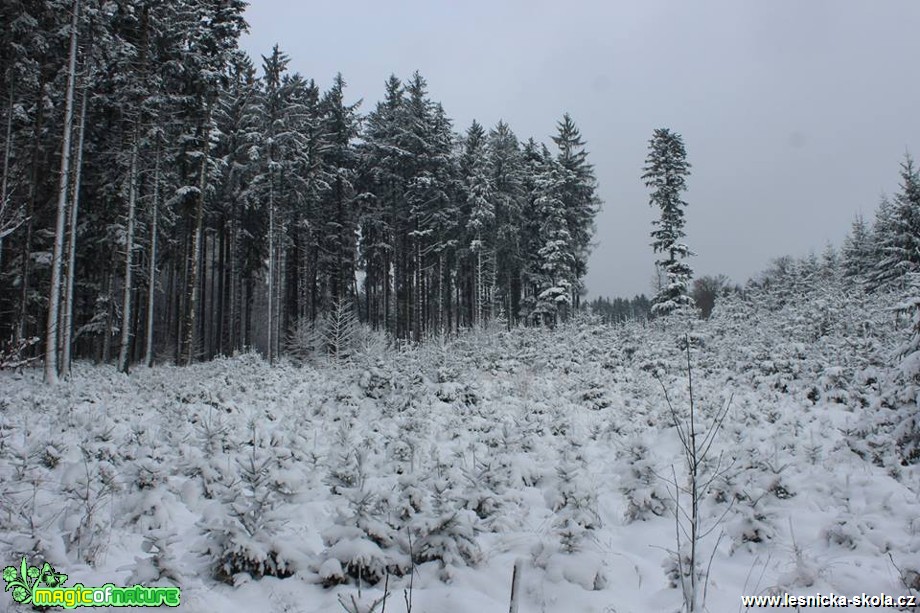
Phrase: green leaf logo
(23, 580)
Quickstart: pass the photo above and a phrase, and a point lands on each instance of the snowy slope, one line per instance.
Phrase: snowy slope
(448, 462)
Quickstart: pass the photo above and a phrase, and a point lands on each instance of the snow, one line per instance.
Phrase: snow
(550, 447)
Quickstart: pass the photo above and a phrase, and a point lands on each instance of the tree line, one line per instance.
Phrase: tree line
(883, 255)
(165, 197)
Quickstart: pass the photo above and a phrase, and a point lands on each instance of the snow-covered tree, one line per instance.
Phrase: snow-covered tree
(218, 207)
(579, 196)
(900, 243)
(666, 170)
(284, 190)
(428, 138)
(908, 430)
(212, 33)
(481, 225)
(52, 350)
(380, 180)
(883, 236)
(555, 254)
(507, 165)
(338, 209)
(857, 251)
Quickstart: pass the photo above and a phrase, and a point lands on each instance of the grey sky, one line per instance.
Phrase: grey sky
(795, 114)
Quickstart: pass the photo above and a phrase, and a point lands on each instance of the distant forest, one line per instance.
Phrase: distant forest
(165, 196)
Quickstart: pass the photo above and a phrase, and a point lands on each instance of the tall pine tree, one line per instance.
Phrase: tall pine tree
(579, 198)
(479, 192)
(665, 172)
(899, 230)
(507, 165)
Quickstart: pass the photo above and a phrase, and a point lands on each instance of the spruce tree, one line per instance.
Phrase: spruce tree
(381, 181)
(479, 190)
(212, 32)
(882, 236)
(284, 183)
(531, 274)
(666, 170)
(857, 251)
(337, 200)
(427, 139)
(556, 256)
(896, 232)
(208, 194)
(902, 248)
(579, 198)
(507, 166)
(238, 119)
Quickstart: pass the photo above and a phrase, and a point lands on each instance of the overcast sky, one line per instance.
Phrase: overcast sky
(795, 114)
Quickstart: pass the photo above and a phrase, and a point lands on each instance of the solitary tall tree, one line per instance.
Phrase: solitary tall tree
(665, 172)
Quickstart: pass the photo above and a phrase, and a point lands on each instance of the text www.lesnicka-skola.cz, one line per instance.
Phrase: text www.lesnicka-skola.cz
(830, 601)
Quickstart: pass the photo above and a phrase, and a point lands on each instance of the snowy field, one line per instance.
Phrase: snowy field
(440, 466)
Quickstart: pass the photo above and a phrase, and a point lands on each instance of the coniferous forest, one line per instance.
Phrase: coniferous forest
(286, 350)
(165, 196)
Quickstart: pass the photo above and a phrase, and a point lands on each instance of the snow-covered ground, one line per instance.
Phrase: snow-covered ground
(442, 465)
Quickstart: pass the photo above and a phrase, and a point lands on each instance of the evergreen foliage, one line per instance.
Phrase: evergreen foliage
(665, 172)
(208, 203)
(857, 251)
(900, 229)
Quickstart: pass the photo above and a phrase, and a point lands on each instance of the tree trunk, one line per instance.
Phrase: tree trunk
(247, 332)
(194, 273)
(6, 226)
(493, 284)
(51, 340)
(152, 279)
(26, 254)
(480, 298)
(387, 295)
(202, 334)
(271, 260)
(124, 353)
(280, 301)
(418, 296)
(314, 293)
(66, 341)
(440, 313)
(235, 286)
(180, 279)
(110, 315)
(218, 320)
